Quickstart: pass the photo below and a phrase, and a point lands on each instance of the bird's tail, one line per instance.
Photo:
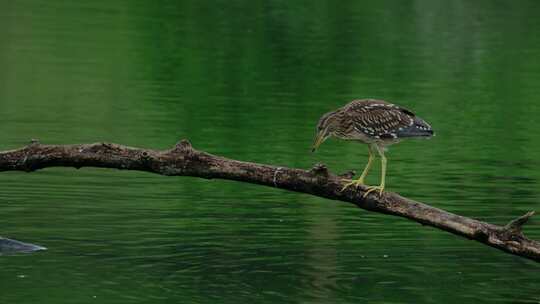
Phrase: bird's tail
(419, 128)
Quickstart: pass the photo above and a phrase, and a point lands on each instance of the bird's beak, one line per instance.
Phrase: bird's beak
(318, 141)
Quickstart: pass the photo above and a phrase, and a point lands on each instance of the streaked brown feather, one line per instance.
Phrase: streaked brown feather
(376, 118)
(372, 121)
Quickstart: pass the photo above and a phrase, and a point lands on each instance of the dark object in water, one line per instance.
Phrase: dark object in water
(9, 246)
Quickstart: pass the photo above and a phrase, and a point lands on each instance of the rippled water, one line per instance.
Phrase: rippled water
(249, 80)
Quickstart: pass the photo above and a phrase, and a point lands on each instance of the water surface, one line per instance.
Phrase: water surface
(249, 80)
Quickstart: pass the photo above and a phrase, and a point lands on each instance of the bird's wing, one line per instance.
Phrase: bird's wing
(380, 120)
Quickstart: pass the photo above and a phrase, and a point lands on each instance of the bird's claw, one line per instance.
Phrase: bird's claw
(355, 183)
(373, 188)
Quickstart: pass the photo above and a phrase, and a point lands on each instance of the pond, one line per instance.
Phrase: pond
(249, 80)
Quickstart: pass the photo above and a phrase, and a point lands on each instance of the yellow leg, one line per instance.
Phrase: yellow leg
(360, 180)
(383, 174)
(366, 169)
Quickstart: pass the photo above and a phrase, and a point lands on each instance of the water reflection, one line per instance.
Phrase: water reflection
(249, 81)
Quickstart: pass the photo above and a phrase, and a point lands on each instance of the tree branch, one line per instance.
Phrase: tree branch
(183, 160)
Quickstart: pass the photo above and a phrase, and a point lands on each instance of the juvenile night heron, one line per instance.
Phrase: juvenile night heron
(376, 123)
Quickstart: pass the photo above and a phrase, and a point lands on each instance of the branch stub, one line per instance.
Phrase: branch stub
(515, 225)
(348, 175)
(183, 146)
(319, 169)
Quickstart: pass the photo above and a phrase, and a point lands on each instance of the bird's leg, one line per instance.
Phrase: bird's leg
(366, 169)
(360, 180)
(383, 174)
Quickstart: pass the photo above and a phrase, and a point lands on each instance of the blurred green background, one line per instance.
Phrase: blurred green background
(249, 80)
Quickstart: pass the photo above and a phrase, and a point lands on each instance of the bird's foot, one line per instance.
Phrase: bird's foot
(354, 183)
(373, 188)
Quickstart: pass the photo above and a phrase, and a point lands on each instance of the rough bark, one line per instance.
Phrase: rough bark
(183, 160)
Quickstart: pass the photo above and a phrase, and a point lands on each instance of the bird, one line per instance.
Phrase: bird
(374, 122)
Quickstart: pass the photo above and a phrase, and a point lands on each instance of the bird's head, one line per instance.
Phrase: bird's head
(325, 128)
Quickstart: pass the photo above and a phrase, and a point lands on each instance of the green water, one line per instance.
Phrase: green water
(249, 80)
